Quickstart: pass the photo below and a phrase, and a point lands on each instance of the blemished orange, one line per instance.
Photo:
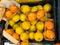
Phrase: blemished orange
(49, 34)
(32, 17)
(13, 8)
(10, 31)
(24, 43)
(49, 25)
(40, 14)
(8, 14)
(16, 36)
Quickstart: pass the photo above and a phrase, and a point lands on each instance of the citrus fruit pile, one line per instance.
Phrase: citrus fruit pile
(32, 23)
(9, 12)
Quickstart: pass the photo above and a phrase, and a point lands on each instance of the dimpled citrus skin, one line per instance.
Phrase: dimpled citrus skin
(25, 9)
(49, 34)
(40, 26)
(22, 17)
(15, 26)
(49, 24)
(19, 30)
(13, 8)
(38, 36)
(10, 31)
(25, 25)
(24, 36)
(11, 22)
(32, 17)
(40, 14)
(16, 36)
(47, 7)
(34, 9)
(8, 14)
(31, 35)
(15, 18)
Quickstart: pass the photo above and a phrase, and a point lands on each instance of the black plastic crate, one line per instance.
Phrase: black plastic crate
(54, 17)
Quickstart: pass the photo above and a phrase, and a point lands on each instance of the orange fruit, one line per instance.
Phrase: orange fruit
(16, 36)
(40, 14)
(49, 34)
(57, 44)
(49, 25)
(8, 14)
(10, 31)
(13, 8)
(18, 44)
(24, 43)
(32, 17)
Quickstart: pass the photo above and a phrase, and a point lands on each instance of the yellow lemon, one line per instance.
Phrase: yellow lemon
(40, 7)
(19, 30)
(38, 36)
(11, 22)
(32, 28)
(22, 17)
(25, 9)
(31, 35)
(40, 26)
(24, 36)
(47, 7)
(15, 26)
(25, 25)
(15, 18)
(34, 9)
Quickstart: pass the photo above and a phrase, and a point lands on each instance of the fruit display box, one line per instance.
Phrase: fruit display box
(53, 16)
